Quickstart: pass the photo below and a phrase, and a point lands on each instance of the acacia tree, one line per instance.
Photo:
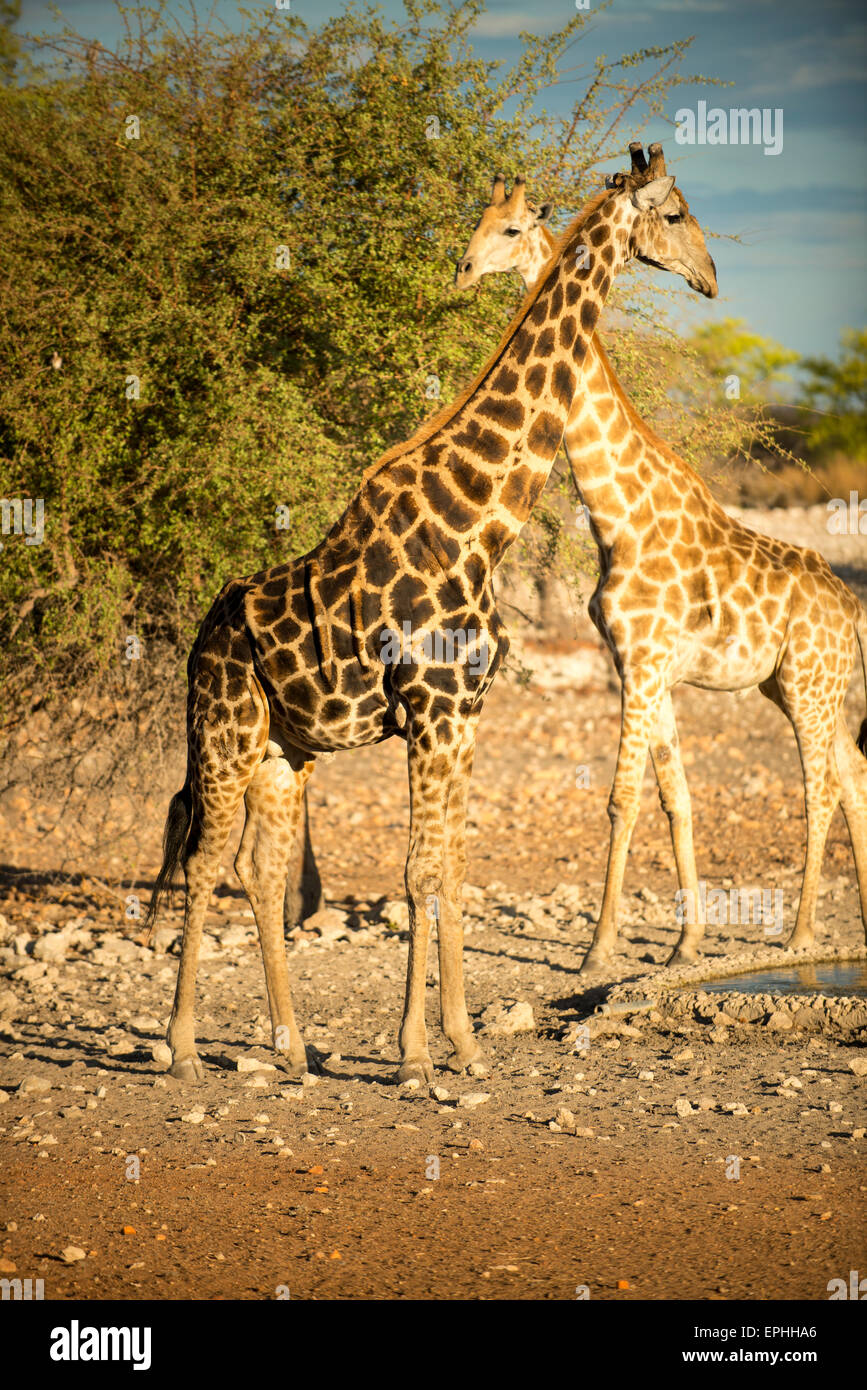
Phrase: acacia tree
(226, 260)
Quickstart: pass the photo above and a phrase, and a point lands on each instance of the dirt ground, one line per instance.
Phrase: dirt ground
(664, 1159)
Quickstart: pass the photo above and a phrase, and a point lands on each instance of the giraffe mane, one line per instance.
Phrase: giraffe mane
(442, 417)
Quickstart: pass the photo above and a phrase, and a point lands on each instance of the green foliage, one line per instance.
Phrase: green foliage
(10, 44)
(836, 395)
(729, 348)
(226, 262)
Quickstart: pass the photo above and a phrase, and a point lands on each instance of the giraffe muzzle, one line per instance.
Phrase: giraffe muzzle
(464, 274)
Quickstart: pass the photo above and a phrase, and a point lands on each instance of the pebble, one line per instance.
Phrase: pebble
(682, 1107)
(162, 1054)
(330, 924)
(506, 1020)
(440, 1093)
(193, 1117)
(34, 1085)
(472, 1099)
(253, 1064)
(73, 1253)
(686, 1054)
(780, 1022)
(858, 1065)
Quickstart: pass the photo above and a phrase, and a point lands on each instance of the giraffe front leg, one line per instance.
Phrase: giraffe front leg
(456, 1022)
(640, 701)
(675, 801)
(431, 762)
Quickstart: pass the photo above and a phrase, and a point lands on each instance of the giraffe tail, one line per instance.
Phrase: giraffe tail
(862, 643)
(175, 836)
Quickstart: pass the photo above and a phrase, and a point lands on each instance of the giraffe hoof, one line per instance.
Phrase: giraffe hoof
(421, 1071)
(468, 1059)
(187, 1068)
(801, 942)
(683, 955)
(594, 963)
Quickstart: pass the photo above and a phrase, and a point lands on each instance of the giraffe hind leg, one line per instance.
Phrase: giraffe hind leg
(220, 778)
(852, 771)
(808, 706)
(274, 805)
(675, 800)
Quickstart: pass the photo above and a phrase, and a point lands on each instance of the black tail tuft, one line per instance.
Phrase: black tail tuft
(862, 739)
(174, 839)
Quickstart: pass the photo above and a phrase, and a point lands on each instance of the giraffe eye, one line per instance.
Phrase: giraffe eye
(512, 231)
(675, 217)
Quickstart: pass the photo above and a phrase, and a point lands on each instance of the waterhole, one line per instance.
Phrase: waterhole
(833, 978)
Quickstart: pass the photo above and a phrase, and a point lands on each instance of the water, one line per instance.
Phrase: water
(827, 977)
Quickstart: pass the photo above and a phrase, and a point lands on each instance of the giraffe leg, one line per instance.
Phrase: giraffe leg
(431, 767)
(800, 696)
(450, 932)
(212, 821)
(303, 883)
(852, 771)
(675, 800)
(274, 805)
(641, 701)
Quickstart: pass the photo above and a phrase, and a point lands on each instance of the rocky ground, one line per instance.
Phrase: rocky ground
(624, 1144)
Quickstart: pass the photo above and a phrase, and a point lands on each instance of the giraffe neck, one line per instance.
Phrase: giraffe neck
(608, 445)
(466, 482)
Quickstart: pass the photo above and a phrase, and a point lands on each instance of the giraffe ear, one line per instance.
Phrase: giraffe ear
(544, 212)
(653, 194)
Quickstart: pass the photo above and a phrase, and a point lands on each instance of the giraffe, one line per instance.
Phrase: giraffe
(688, 596)
(348, 645)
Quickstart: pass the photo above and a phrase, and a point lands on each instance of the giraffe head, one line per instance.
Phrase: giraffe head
(665, 234)
(511, 233)
(508, 236)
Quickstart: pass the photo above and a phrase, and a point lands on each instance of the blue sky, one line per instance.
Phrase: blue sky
(800, 275)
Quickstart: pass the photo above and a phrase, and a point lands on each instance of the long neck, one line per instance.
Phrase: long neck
(486, 466)
(608, 445)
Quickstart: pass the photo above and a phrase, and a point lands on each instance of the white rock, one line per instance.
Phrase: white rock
(193, 1117)
(162, 1054)
(440, 1093)
(73, 1253)
(329, 923)
(34, 1086)
(683, 1107)
(472, 1099)
(53, 946)
(253, 1064)
(856, 1064)
(506, 1020)
(234, 936)
(396, 912)
(411, 1085)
